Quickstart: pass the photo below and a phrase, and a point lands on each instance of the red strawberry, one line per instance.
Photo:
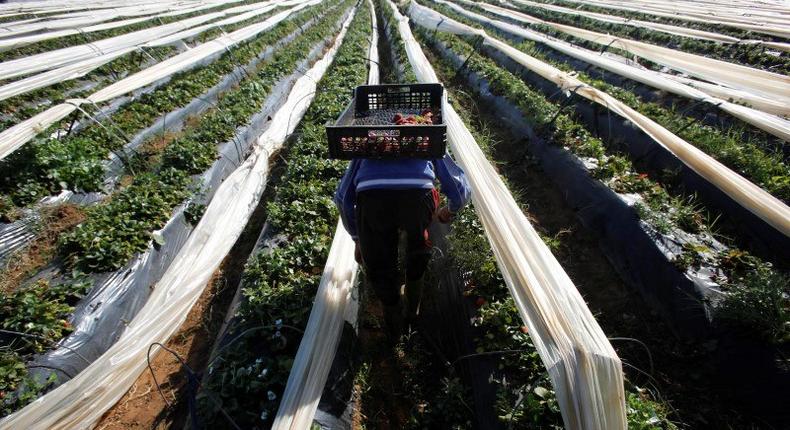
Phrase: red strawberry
(480, 302)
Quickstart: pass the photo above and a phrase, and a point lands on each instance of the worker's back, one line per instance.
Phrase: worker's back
(395, 174)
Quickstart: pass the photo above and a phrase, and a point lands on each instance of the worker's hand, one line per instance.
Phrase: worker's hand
(357, 252)
(444, 215)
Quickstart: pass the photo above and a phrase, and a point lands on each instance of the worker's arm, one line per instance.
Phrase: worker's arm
(454, 183)
(346, 199)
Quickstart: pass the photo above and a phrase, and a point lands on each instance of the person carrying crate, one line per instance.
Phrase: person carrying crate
(381, 199)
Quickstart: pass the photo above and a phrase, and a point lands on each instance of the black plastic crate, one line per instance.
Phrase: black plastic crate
(366, 129)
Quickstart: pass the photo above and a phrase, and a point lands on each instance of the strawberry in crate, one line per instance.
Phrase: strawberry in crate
(426, 117)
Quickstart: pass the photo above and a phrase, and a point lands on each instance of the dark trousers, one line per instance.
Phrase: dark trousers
(381, 216)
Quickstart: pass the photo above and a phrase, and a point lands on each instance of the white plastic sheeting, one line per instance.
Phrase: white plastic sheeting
(81, 68)
(767, 84)
(332, 306)
(80, 402)
(750, 196)
(725, 11)
(705, 19)
(765, 118)
(664, 28)
(16, 42)
(52, 59)
(584, 368)
(18, 135)
(758, 102)
(85, 20)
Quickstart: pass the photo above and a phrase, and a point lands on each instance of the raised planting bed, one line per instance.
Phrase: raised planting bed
(156, 200)
(696, 282)
(248, 376)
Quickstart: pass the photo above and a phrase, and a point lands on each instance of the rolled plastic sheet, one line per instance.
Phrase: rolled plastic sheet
(80, 402)
(82, 68)
(60, 57)
(49, 25)
(767, 84)
(16, 136)
(585, 371)
(764, 116)
(751, 197)
(86, 18)
(7, 43)
(55, 6)
(664, 28)
(705, 19)
(331, 309)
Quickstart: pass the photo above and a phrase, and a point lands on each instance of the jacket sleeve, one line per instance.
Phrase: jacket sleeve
(454, 183)
(346, 199)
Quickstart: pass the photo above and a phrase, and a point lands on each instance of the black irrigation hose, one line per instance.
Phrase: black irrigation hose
(194, 383)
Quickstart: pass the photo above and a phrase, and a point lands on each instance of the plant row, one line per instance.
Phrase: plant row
(714, 28)
(279, 284)
(50, 164)
(18, 108)
(85, 38)
(746, 278)
(747, 55)
(400, 60)
(114, 231)
(524, 394)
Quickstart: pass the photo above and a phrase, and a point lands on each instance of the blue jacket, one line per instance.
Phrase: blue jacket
(364, 174)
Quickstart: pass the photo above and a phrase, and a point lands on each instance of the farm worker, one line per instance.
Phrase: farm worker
(381, 199)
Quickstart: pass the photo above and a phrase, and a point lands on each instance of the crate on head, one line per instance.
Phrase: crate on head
(367, 129)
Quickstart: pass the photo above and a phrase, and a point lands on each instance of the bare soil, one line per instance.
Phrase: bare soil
(26, 261)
